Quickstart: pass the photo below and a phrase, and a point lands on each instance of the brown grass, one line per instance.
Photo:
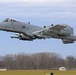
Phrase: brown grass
(37, 72)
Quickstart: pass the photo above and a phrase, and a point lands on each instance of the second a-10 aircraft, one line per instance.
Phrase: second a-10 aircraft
(27, 31)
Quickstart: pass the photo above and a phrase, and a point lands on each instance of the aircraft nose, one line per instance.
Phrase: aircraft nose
(2, 26)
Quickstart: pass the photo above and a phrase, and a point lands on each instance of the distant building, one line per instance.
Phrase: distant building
(62, 69)
(2, 66)
(3, 69)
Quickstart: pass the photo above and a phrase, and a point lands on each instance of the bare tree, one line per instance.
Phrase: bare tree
(70, 62)
(42, 60)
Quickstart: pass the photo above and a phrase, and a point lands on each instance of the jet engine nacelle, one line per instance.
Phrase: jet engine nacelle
(21, 36)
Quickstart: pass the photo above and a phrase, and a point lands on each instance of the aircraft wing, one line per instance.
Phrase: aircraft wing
(50, 30)
(58, 27)
(54, 29)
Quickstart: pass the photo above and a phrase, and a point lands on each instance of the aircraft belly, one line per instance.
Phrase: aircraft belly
(62, 32)
(30, 30)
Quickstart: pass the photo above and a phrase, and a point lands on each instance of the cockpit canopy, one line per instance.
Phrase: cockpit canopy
(9, 20)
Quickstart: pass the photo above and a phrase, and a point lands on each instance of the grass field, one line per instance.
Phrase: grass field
(36, 72)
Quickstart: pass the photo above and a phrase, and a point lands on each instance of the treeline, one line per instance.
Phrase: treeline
(36, 61)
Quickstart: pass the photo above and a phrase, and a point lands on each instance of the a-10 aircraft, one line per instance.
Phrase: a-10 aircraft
(27, 31)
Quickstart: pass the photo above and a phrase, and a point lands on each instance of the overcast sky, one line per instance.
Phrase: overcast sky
(38, 12)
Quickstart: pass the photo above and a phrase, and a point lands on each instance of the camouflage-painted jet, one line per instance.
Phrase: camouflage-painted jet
(27, 31)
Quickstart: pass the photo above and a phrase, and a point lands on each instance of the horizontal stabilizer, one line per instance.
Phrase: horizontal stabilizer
(65, 41)
(72, 38)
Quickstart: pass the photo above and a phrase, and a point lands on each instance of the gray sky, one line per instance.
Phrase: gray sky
(38, 12)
